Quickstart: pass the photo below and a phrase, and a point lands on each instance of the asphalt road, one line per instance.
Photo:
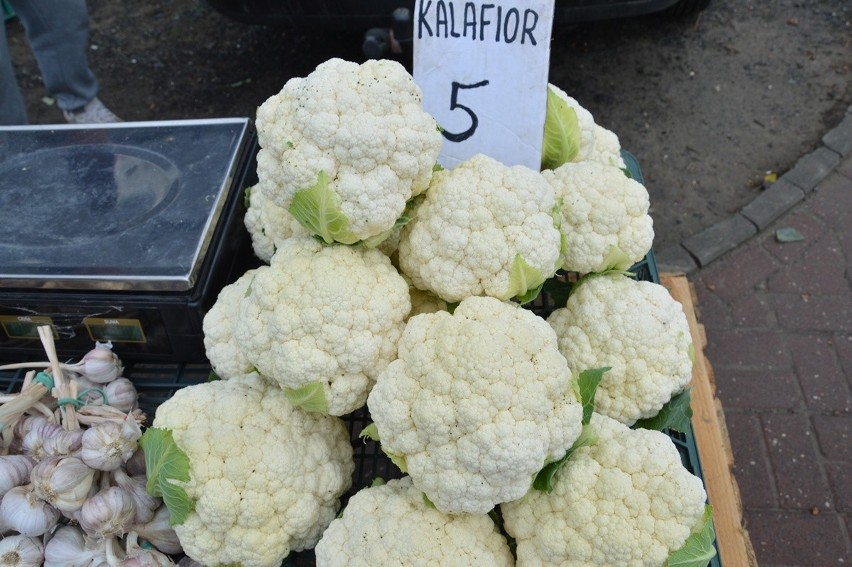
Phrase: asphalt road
(709, 103)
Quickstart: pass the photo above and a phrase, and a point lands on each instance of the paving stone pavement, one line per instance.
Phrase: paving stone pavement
(778, 320)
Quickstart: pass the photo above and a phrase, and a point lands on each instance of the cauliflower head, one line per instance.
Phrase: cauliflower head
(626, 500)
(391, 524)
(607, 148)
(638, 330)
(476, 403)
(268, 224)
(572, 135)
(602, 210)
(223, 352)
(323, 321)
(346, 147)
(483, 228)
(265, 477)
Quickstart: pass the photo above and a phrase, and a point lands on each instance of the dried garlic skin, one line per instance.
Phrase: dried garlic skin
(63, 482)
(21, 551)
(24, 512)
(14, 471)
(108, 445)
(108, 513)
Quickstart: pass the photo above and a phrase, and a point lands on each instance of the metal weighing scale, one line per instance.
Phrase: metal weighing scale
(121, 232)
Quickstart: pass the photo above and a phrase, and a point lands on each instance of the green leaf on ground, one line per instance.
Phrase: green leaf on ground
(785, 235)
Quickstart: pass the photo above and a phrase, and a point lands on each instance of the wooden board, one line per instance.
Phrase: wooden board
(711, 440)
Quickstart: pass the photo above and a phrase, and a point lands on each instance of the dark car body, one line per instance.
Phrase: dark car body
(365, 14)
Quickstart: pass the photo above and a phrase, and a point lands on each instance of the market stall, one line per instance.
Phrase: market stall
(359, 306)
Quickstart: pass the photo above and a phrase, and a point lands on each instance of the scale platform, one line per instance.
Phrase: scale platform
(121, 232)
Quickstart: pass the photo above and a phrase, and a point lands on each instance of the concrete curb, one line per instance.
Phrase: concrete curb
(699, 250)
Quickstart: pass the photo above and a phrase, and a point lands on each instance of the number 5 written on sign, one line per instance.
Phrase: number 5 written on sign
(454, 104)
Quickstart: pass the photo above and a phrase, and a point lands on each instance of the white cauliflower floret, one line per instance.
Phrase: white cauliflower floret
(482, 229)
(607, 148)
(626, 500)
(265, 478)
(638, 330)
(268, 224)
(223, 352)
(602, 210)
(364, 128)
(323, 321)
(476, 404)
(391, 524)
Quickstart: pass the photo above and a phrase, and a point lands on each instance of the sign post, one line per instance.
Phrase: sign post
(483, 68)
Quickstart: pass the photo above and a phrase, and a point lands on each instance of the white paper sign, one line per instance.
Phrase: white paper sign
(483, 69)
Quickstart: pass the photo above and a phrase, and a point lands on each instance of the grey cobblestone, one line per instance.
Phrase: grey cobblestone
(772, 203)
(675, 259)
(722, 237)
(839, 138)
(812, 168)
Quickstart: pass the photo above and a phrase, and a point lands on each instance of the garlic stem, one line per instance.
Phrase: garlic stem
(62, 389)
(11, 411)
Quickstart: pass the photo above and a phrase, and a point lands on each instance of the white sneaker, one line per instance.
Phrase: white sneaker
(93, 113)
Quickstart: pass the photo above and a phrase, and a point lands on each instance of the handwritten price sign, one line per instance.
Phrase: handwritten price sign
(483, 70)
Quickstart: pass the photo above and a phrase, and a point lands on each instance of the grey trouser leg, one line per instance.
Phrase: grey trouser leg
(58, 32)
(12, 109)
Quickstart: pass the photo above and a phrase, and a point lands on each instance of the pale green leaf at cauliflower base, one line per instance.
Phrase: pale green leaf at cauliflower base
(601, 208)
(624, 501)
(265, 478)
(476, 403)
(364, 127)
(572, 135)
(569, 130)
(638, 330)
(473, 224)
(425, 302)
(223, 352)
(324, 314)
(391, 524)
(269, 224)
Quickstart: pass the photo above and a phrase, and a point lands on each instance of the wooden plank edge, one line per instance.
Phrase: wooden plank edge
(711, 439)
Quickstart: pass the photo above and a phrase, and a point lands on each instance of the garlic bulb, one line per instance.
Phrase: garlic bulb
(108, 513)
(14, 471)
(144, 503)
(100, 364)
(27, 514)
(64, 443)
(20, 550)
(33, 441)
(135, 465)
(121, 394)
(159, 532)
(68, 548)
(63, 482)
(108, 445)
(137, 556)
(22, 427)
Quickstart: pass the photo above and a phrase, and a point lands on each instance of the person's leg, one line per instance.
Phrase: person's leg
(12, 109)
(58, 32)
